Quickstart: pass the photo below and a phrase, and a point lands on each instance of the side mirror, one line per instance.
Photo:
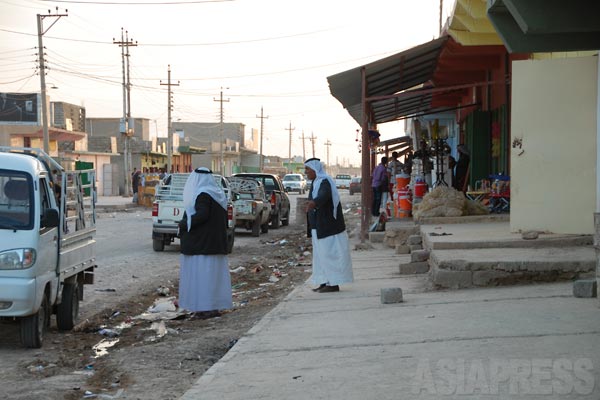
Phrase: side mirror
(50, 218)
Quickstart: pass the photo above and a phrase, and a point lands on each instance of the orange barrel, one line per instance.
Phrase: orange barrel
(404, 203)
(420, 188)
(402, 180)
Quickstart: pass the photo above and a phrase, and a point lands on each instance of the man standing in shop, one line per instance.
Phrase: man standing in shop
(379, 184)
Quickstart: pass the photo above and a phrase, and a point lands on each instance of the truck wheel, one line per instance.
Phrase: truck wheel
(275, 221)
(34, 326)
(158, 244)
(256, 228)
(286, 221)
(68, 309)
(264, 228)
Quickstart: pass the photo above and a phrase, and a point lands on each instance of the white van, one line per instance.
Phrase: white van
(47, 246)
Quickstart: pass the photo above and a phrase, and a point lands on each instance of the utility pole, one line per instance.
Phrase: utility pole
(127, 125)
(262, 119)
(290, 129)
(169, 121)
(41, 54)
(328, 145)
(441, 10)
(221, 160)
(313, 139)
(303, 147)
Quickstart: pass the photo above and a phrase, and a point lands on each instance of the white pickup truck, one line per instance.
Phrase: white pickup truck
(47, 246)
(342, 181)
(168, 209)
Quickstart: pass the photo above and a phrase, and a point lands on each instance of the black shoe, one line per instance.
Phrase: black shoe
(328, 289)
(319, 288)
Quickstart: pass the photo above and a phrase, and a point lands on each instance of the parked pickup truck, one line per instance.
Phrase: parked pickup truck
(168, 209)
(253, 211)
(47, 246)
(275, 192)
(342, 181)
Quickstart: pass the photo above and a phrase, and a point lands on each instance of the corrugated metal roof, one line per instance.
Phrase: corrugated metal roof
(389, 76)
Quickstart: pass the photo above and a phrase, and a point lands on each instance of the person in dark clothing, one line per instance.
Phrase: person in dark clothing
(135, 183)
(204, 280)
(462, 168)
(380, 184)
(332, 264)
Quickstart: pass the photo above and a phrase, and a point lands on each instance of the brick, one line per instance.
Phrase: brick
(585, 288)
(376, 237)
(402, 249)
(415, 247)
(452, 279)
(419, 255)
(414, 268)
(414, 239)
(391, 295)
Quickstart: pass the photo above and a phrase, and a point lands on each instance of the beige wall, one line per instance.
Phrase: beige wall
(553, 175)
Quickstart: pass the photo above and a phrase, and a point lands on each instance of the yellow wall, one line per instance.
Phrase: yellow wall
(553, 175)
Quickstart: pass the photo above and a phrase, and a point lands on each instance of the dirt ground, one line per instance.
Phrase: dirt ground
(127, 352)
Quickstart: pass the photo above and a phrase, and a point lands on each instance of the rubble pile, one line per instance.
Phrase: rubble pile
(444, 201)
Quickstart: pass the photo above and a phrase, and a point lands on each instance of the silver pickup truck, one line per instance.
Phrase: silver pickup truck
(168, 209)
(253, 211)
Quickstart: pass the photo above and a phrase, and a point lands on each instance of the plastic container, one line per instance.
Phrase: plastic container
(402, 180)
(404, 208)
(420, 188)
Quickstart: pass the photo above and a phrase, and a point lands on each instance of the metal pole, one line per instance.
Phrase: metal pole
(46, 135)
(169, 124)
(222, 161)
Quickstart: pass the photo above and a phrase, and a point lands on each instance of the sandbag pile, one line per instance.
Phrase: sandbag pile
(447, 202)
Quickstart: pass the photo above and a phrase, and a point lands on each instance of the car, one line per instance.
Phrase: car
(294, 183)
(275, 192)
(342, 181)
(355, 185)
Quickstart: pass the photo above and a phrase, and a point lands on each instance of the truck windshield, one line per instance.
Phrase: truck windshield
(16, 200)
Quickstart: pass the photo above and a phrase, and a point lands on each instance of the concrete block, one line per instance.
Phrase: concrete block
(415, 247)
(530, 235)
(585, 288)
(391, 295)
(419, 255)
(452, 279)
(414, 239)
(402, 249)
(488, 277)
(376, 237)
(414, 268)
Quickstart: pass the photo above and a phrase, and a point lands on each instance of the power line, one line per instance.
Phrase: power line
(138, 3)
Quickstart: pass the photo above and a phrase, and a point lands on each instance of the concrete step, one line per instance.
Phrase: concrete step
(492, 235)
(499, 266)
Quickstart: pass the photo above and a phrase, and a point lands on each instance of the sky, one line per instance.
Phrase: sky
(274, 54)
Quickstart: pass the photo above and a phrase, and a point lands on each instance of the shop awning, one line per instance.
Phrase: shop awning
(546, 25)
(409, 69)
(426, 79)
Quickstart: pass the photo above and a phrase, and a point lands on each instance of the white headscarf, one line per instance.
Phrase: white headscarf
(201, 181)
(317, 166)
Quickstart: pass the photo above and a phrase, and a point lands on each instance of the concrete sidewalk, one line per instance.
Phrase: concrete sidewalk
(109, 203)
(516, 342)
